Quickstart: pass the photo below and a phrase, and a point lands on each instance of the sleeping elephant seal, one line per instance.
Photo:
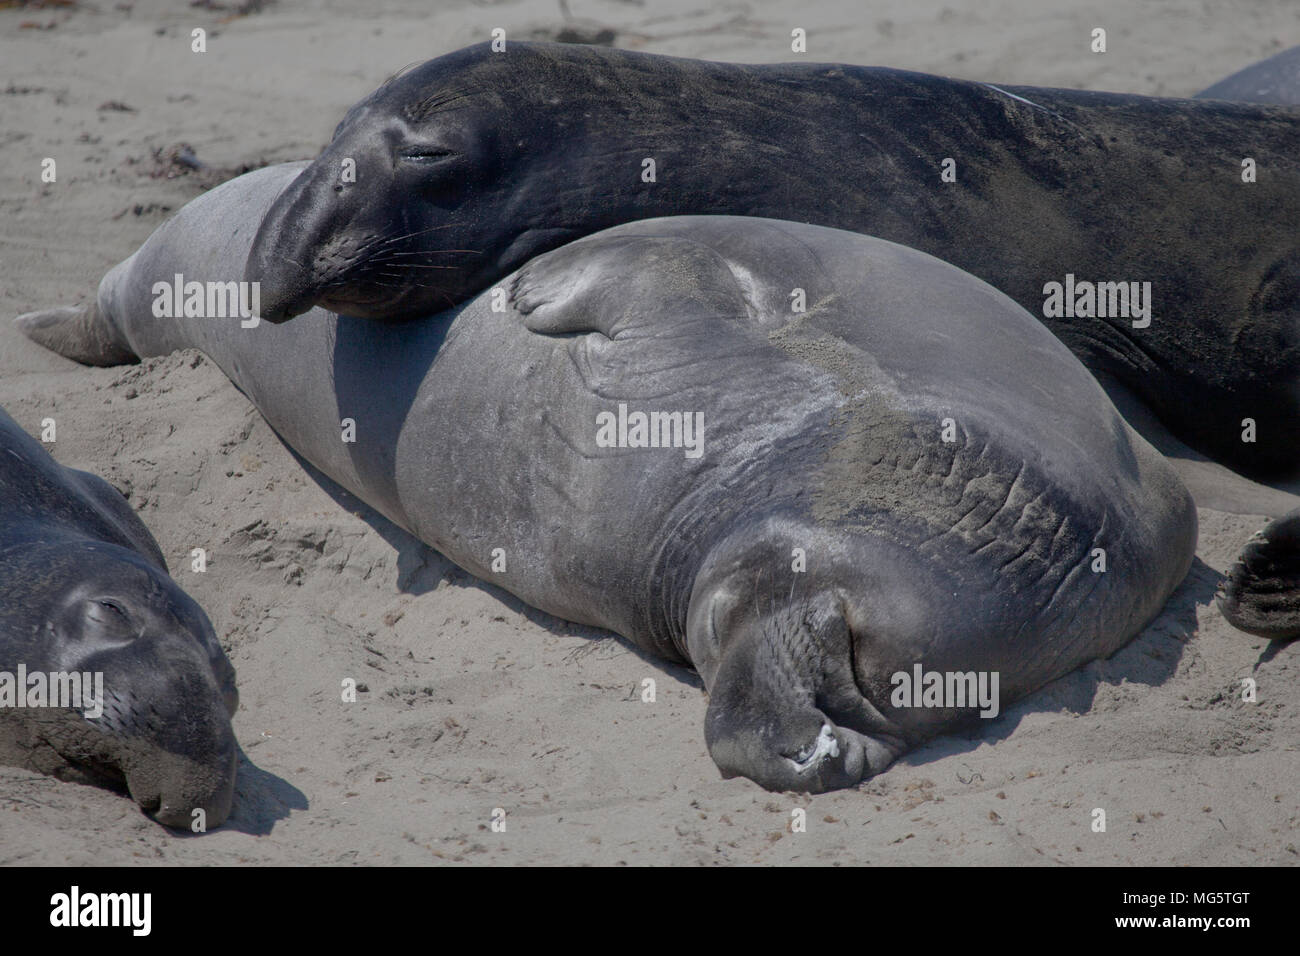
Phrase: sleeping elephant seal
(896, 471)
(87, 607)
(1261, 591)
(1123, 221)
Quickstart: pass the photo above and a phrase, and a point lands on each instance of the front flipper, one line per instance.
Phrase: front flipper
(1261, 594)
(610, 284)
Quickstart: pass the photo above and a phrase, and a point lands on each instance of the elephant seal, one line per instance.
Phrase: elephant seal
(910, 476)
(84, 591)
(1261, 592)
(1275, 80)
(471, 164)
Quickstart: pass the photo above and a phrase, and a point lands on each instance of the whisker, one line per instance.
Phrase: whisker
(426, 252)
(419, 232)
(416, 265)
(406, 283)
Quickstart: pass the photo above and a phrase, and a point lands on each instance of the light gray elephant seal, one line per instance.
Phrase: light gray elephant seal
(470, 164)
(84, 590)
(912, 476)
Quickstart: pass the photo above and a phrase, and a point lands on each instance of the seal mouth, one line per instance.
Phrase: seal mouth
(351, 294)
(351, 297)
(277, 309)
(100, 772)
(358, 303)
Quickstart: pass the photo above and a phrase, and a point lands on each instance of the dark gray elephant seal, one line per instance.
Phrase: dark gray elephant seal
(1261, 592)
(84, 589)
(1275, 80)
(473, 163)
(824, 540)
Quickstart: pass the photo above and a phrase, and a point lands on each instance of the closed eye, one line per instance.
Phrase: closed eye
(114, 607)
(110, 614)
(425, 154)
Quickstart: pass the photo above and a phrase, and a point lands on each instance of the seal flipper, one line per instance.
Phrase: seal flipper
(81, 334)
(608, 285)
(1261, 594)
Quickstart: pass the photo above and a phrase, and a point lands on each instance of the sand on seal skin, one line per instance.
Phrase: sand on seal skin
(473, 701)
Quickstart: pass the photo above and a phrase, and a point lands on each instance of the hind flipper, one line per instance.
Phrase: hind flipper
(81, 334)
(1261, 594)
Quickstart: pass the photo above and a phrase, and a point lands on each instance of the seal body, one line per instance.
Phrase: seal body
(645, 433)
(457, 172)
(84, 591)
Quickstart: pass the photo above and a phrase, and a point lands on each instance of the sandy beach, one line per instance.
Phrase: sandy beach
(474, 701)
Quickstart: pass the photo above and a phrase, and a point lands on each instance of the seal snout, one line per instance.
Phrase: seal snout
(285, 288)
(176, 748)
(192, 793)
(779, 750)
(766, 718)
(283, 259)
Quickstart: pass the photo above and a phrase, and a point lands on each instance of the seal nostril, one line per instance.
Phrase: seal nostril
(804, 755)
(811, 755)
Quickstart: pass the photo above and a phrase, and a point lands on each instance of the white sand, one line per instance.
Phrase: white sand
(476, 701)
